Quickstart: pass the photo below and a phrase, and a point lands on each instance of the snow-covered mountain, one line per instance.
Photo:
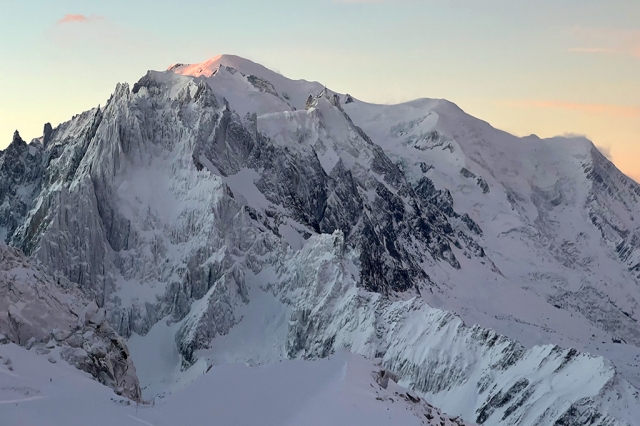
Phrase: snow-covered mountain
(220, 212)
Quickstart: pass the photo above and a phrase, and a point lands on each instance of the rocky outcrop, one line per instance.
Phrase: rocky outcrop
(213, 315)
(49, 315)
(21, 170)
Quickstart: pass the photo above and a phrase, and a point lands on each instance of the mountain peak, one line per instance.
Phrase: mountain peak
(209, 67)
(292, 94)
(17, 138)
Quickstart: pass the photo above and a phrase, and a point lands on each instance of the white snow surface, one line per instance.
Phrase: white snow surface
(337, 390)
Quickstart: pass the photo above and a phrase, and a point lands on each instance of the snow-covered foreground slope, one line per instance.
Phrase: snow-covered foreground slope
(221, 212)
(338, 390)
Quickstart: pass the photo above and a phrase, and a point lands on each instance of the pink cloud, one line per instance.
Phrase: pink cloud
(70, 18)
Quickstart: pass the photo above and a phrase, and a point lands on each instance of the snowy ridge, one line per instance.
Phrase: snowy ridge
(381, 229)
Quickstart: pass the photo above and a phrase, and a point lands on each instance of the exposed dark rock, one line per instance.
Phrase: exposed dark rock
(262, 85)
(46, 134)
(466, 173)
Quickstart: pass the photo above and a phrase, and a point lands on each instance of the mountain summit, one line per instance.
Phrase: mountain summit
(209, 67)
(221, 213)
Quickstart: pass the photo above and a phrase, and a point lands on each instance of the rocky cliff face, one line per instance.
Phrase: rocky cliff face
(379, 229)
(21, 169)
(466, 370)
(46, 314)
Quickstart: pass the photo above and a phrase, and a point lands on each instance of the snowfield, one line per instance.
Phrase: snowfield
(337, 390)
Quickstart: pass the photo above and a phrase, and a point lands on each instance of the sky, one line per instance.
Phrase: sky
(548, 67)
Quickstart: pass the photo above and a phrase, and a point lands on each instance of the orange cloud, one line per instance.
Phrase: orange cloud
(591, 50)
(617, 110)
(608, 41)
(630, 51)
(69, 18)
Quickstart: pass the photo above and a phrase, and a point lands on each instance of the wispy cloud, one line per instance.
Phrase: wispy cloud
(607, 41)
(606, 151)
(591, 50)
(364, 1)
(71, 18)
(609, 109)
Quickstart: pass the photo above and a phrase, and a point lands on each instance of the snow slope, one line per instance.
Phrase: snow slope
(338, 390)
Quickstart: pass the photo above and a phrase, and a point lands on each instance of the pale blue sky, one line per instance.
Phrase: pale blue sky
(544, 67)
